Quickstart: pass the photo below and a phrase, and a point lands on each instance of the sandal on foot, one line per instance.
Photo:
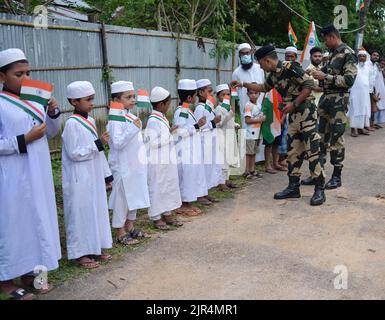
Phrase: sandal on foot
(205, 202)
(161, 226)
(31, 287)
(270, 170)
(186, 212)
(174, 222)
(91, 264)
(21, 294)
(212, 199)
(231, 185)
(135, 233)
(102, 257)
(126, 240)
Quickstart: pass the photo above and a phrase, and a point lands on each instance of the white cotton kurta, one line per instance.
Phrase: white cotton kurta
(227, 141)
(254, 74)
(209, 146)
(191, 170)
(380, 89)
(29, 233)
(163, 180)
(359, 99)
(128, 162)
(84, 193)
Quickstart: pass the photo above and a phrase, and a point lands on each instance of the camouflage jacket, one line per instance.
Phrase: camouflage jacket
(341, 70)
(289, 79)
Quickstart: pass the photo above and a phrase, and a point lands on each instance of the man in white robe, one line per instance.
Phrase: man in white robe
(29, 234)
(373, 70)
(380, 88)
(247, 71)
(359, 99)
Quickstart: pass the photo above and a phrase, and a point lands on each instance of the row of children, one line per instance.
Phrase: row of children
(28, 223)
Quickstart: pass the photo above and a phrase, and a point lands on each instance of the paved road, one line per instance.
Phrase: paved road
(253, 247)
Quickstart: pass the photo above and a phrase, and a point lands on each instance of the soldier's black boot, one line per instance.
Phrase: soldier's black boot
(291, 191)
(318, 197)
(309, 181)
(335, 181)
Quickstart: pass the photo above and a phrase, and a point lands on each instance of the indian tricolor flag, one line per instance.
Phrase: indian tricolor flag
(210, 103)
(271, 127)
(292, 37)
(310, 42)
(234, 94)
(116, 112)
(226, 102)
(36, 91)
(143, 100)
(360, 4)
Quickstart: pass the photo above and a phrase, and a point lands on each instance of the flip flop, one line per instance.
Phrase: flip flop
(92, 264)
(21, 294)
(126, 240)
(271, 171)
(174, 222)
(161, 226)
(102, 257)
(135, 233)
(186, 212)
(31, 287)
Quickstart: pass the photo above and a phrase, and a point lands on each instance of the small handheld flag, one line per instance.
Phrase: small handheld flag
(116, 112)
(310, 42)
(36, 91)
(360, 4)
(143, 100)
(226, 102)
(234, 94)
(210, 103)
(292, 37)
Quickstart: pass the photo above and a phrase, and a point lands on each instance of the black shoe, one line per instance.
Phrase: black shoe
(291, 191)
(318, 197)
(335, 181)
(309, 181)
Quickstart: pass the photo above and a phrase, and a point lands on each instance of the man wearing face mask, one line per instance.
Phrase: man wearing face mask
(359, 99)
(247, 71)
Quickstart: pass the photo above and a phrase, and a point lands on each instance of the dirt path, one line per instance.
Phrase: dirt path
(253, 247)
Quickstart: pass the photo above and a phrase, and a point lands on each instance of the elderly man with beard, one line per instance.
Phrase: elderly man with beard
(247, 71)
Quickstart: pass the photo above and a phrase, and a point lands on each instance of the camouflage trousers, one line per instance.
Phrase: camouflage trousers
(332, 121)
(303, 142)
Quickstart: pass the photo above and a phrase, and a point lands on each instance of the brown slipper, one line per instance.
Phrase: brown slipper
(161, 226)
(270, 170)
(187, 212)
(89, 264)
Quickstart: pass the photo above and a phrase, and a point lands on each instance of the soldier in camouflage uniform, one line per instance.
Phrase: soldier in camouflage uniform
(295, 87)
(338, 76)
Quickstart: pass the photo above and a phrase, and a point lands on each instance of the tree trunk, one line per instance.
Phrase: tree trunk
(363, 19)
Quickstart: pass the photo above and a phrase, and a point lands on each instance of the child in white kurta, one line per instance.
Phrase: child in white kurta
(192, 176)
(228, 146)
(205, 108)
(29, 233)
(83, 175)
(163, 180)
(128, 162)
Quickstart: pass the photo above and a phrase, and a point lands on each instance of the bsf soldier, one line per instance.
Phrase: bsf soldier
(338, 76)
(295, 87)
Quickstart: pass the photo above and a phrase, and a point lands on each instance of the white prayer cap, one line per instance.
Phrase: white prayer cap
(11, 55)
(362, 53)
(122, 86)
(244, 46)
(291, 49)
(326, 54)
(187, 84)
(80, 89)
(203, 83)
(158, 94)
(222, 87)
